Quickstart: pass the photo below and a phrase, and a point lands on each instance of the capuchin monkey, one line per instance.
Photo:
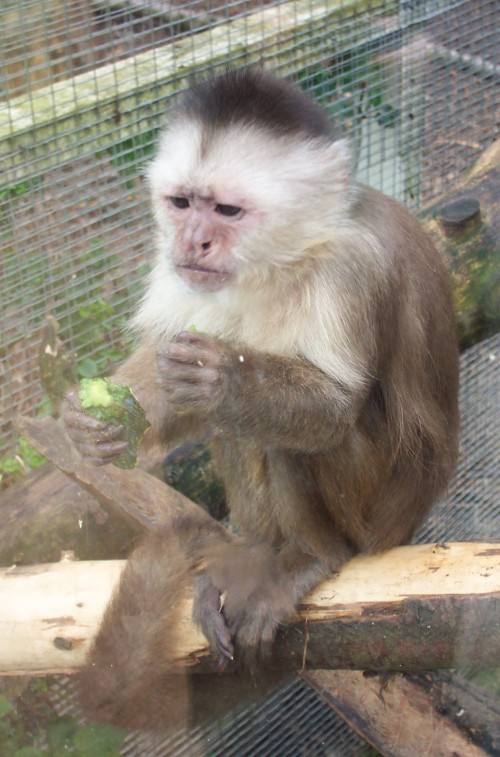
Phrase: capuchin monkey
(324, 363)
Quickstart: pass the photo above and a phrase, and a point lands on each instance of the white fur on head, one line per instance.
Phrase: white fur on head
(299, 192)
(299, 189)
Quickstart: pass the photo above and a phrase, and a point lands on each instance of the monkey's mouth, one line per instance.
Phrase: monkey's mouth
(204, 279)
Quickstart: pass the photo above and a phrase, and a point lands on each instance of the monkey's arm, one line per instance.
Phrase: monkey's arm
(285, 402)
(99, 443)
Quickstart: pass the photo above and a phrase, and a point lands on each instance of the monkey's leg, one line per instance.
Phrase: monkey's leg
(247, 590)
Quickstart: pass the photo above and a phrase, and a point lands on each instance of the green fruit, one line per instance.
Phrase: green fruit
(104, 399)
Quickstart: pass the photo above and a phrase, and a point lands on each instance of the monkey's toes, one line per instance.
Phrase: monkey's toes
(208, 614)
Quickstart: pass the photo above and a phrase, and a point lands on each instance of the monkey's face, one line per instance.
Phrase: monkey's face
(206, 232)
(233, 203)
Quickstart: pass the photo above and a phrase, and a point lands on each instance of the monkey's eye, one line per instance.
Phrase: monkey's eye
(227, 210)
(180, 202)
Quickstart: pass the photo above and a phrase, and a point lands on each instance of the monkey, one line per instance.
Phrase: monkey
(324, 363)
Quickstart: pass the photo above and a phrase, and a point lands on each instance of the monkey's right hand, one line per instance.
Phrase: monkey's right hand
(96, 441)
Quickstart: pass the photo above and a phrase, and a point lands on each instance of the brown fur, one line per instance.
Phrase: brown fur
(318, 465)
(131, 677)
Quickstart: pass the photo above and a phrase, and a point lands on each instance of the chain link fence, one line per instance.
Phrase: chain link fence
(84, 89)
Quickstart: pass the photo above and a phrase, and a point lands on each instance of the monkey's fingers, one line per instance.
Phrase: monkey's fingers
(101, 454)
(95, 440)
(82, 430)
(77, 420)
(205, 353)
(253, 639)
(208, 614)
(171, 374)
(196, 338)
(104, 452)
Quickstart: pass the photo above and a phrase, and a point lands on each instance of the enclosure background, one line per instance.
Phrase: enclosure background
(85, 87)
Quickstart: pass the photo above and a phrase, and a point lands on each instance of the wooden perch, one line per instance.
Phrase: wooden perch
(412, 608)
(409, 715)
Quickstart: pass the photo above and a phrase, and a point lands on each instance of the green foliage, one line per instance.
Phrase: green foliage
(8, 193)
(92, 314)
(489, 680)
(25, 458)
(104, 740)
(130, 155)
(29, 455)
(24, 728)
(191, 470)
(88, 368)
(350, 86)
(476, 287)
(6, 706)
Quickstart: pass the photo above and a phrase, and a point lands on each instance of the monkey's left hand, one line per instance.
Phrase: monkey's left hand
(240, 599)
(191, 371)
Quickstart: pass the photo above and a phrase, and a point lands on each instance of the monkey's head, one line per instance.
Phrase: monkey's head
(247, 177)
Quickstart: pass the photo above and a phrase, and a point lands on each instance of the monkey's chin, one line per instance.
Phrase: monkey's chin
(203, 279)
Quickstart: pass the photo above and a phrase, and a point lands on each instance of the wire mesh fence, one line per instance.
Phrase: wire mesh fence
(84, 89)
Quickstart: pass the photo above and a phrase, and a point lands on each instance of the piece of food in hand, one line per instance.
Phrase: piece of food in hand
(104, 399)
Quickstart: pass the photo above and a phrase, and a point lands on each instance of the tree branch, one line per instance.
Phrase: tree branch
(412, 608)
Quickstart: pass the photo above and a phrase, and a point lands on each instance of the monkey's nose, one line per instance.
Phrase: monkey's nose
(206, 247)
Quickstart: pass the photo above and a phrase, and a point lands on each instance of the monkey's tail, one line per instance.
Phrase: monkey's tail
(130, 678)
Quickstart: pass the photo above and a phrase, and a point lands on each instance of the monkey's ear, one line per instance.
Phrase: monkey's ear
(336, 180)
(340, 157)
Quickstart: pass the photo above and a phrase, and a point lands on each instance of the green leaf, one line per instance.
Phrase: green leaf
(387, 115)
(6, 706)
(99, 739)
(29, 454)
(61, 732)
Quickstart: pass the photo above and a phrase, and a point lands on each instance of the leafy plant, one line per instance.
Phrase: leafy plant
(17, 190)
(30, 727)
(25, 458)
(129, 156)
(350, 86)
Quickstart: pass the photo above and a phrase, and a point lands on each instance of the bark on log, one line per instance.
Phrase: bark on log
(412, 608)
(399, 717)
(45, 513)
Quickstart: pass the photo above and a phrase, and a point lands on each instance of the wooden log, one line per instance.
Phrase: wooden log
(46, 513)
(410, 614)
(399, 717)
(412, 608)
(464, 223)
(140, 498)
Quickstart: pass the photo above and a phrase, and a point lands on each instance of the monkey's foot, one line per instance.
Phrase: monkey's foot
(240, 600)
(208, 614)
